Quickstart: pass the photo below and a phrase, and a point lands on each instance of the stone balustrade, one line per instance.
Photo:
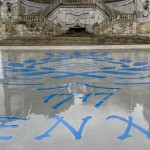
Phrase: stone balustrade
(40, 19)
(30, 18)
(79, 1)
(98, 28)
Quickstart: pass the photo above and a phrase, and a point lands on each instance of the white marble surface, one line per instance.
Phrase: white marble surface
(86, 47)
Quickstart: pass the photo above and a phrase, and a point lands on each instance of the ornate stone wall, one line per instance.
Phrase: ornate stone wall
(144, 28)
(9, 15)
(9, 10)
(122, 28)
(82, 16)
(69, 16)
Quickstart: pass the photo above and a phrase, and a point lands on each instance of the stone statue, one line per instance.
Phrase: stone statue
(9, 9)
(146, 8)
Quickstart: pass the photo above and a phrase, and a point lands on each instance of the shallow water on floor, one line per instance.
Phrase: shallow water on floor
(79, 100)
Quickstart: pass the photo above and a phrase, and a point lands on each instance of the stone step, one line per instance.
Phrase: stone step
(72, 38)
(54, 38)
(80, 40)
(101, 40)
(54, 41)
(57, 42)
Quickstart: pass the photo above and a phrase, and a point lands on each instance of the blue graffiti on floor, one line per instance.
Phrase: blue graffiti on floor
(84, 98)
(76, 133)
(98, 65)
(130, 124)
(4, 124)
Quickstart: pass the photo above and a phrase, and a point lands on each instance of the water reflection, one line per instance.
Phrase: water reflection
(75, 82)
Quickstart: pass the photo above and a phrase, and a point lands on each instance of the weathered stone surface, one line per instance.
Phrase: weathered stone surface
(144, 27)
(125, 6)
(60, 18)
(77, 16)
(28, 7)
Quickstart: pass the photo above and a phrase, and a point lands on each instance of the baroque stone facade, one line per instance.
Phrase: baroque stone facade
(23, 17)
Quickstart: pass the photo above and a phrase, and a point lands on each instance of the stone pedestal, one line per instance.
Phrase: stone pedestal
(19, 29)
(134, 31)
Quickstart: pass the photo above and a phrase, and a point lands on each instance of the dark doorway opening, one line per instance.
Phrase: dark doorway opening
(77, 30)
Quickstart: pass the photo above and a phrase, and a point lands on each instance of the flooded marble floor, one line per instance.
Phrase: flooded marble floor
(75, 100)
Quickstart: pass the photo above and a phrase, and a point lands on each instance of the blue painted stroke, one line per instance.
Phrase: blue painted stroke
(80, 83)
(126, 60)
(29, 61)
(84, 74)
(48, 98)
(108, 95)
(86, 96)
(104, 53)
(64, 101)
(108, 68)
(15, 64)
(130, 124)
(7, 77)
(19, 70)
(140, 63)
(21, 84)
(48, 68)
(76, 134)
(6, 120)
(124, 78)
(132, 83)
(118, 72)
(145, 68)
(37, 73)
(125, 66)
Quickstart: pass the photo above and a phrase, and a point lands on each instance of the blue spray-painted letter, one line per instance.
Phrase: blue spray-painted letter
(130, 124)
(77, 134)
(6, 120)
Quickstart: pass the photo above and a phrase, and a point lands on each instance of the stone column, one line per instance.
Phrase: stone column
(19, 29)
(1, 27)
(134, 31)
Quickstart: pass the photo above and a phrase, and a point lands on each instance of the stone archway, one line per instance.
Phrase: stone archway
(77, 28)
